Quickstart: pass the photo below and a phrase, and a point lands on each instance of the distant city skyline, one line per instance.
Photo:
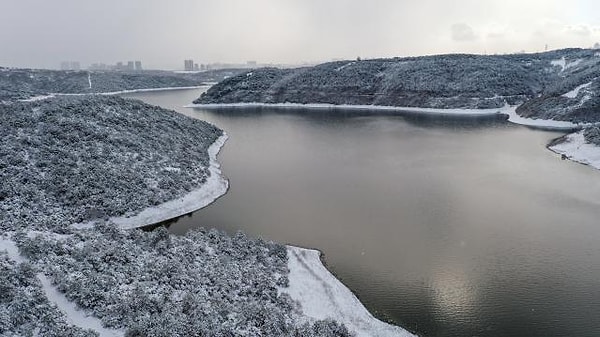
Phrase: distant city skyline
(38, 33)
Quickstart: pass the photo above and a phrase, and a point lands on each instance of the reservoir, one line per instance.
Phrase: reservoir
(446, 226)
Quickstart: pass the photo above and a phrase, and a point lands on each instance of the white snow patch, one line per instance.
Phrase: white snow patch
(540, 123)
(573, 93)
(73, 315)
(344, 66)
(37, 98)
(573, 63)
(33, 233)
(562, 63)
(11, 249)
(90, 80)
(249, 74)
(576, 149)
(214, 187)
(172, 169)
(321, 296)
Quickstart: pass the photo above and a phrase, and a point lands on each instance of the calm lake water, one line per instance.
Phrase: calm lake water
(445, 226)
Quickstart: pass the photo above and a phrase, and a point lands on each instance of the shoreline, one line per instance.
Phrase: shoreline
(507, 110)
(323, 296)
(574, 147)
(216, 186)
(356, 107)
(110, 93)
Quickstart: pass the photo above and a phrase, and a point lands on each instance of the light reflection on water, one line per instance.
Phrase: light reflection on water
(446, 226)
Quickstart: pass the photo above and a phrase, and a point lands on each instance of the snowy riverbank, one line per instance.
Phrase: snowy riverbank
(433, 111)
(507, 110)
(323, 296)
(575, 148)
(215, 186)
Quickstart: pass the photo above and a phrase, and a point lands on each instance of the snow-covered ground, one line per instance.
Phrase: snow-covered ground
(562, 63)
(575, 148)
(11, 249)
(539, 123)
(215, 186)
(323, 296)
(573, 93)
(38, 98)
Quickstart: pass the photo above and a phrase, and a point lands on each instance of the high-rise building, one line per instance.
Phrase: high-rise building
(138, 65)
(130, 65)
(188, 65)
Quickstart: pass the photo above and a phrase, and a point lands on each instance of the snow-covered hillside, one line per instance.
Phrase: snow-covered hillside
(27, 83)
(546, 82)
(76, 159)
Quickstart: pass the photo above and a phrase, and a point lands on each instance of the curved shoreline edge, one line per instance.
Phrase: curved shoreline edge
(321, 296)
(575, 148)
(215, 186)
(507, 110)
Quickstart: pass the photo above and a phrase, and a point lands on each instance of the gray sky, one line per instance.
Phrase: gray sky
(41, 33)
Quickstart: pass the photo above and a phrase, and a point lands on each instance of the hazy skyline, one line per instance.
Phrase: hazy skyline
(41, 33)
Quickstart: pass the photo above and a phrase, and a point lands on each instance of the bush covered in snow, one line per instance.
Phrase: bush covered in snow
(74, 159)
(24, 308)
(205, 283)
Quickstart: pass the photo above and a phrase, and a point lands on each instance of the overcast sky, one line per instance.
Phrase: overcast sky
(161, 33)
